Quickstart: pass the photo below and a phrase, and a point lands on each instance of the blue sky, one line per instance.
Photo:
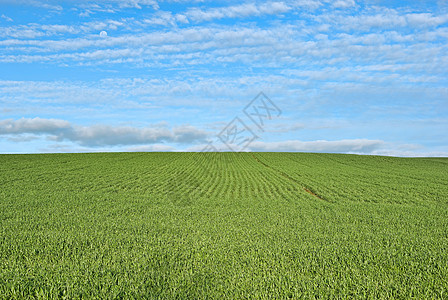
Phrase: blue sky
(347, 76)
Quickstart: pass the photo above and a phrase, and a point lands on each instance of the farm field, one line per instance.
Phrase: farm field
(223, 225)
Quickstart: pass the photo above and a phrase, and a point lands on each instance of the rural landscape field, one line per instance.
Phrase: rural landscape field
(223, 225)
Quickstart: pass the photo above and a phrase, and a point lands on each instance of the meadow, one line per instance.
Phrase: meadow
(223, 226)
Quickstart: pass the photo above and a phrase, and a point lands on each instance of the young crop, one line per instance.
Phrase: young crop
(223, 225)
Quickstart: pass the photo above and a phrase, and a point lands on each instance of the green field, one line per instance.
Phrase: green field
(223, 225)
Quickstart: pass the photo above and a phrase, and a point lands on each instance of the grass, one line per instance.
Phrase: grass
(223, 225)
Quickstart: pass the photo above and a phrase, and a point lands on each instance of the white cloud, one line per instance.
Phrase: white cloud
(237, 11)
(99, 135)
(273, 8)
(136, 3)
(113, 6)
(310, 4)
(163, 18)
(340, 146)
(343, 3)
(19, 32)
(426, 19)
(35, 3)
(56, 29)
(6, 18)
(30, 31)
(182, 19)
(36, 126)
(281, 45)
(389, 20)
(276, 46)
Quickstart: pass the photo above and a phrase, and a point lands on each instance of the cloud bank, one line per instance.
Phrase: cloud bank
(341, 146)
(100, 135)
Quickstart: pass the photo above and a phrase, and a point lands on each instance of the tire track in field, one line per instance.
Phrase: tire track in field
(285, 175)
